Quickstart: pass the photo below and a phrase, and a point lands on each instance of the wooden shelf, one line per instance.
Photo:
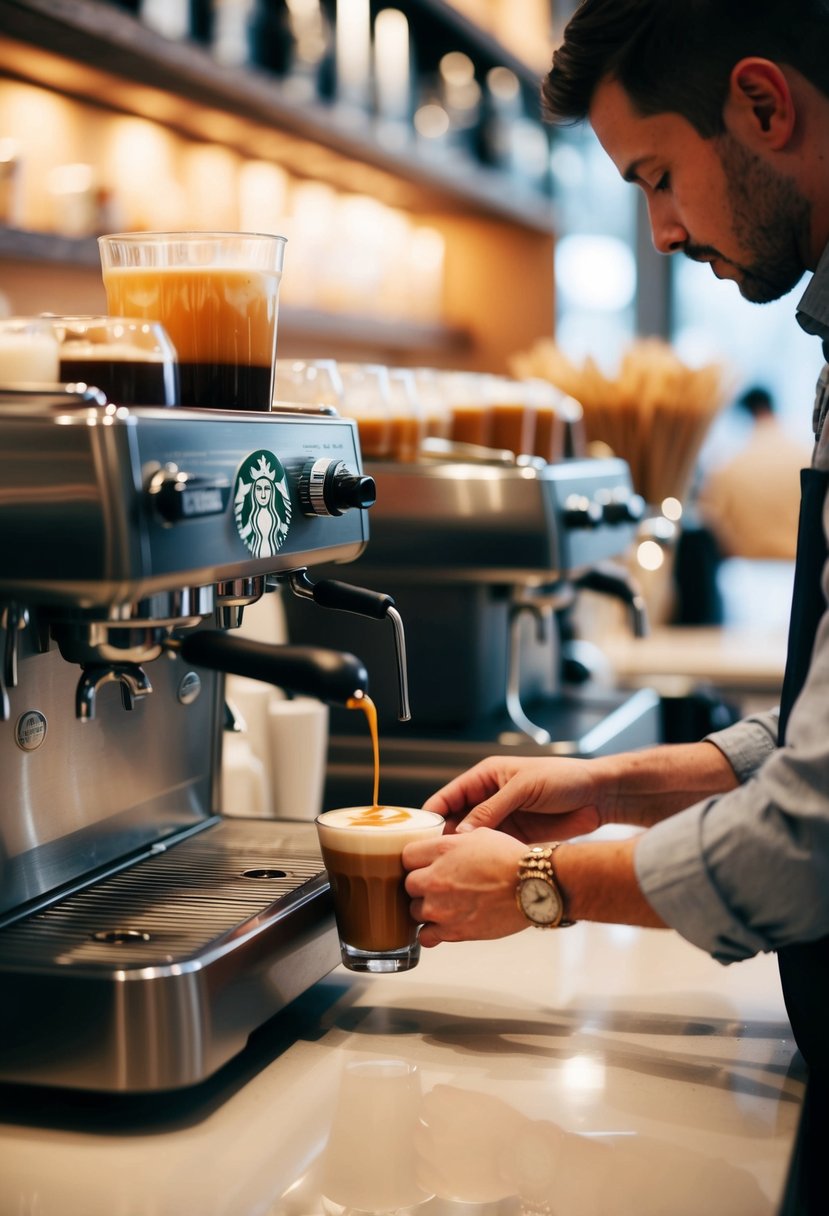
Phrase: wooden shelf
(20, 244)
(62, 44)
(307, 327)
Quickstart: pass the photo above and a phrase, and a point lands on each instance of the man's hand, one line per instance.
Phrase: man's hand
(463, 887)
(557, 798)
(532, 800)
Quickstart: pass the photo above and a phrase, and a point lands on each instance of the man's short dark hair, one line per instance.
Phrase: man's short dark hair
(676, 56)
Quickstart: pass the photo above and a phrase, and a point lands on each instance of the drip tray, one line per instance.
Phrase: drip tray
(155, 976)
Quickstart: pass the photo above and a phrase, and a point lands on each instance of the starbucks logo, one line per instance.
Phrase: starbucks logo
(261, 504)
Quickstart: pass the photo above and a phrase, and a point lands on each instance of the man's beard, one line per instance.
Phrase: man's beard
(770, 219)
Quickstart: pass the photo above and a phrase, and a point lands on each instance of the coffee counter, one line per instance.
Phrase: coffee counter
(594, 1070)
(742, 664)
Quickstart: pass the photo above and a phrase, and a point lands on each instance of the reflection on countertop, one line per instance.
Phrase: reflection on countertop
(602, 1069)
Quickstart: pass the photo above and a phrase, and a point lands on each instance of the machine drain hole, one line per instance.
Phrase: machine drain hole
(120, 937)
(264, 874)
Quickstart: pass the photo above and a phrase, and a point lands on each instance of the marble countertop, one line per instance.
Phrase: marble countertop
(594, 1070)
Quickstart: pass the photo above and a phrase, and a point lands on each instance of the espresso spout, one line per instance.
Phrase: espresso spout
(333, 676)
(133, 681)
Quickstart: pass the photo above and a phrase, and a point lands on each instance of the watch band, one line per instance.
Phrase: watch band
(538, 862)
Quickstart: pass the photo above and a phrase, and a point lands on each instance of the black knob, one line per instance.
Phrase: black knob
(582, 512)
(624, 509)
(329, 487)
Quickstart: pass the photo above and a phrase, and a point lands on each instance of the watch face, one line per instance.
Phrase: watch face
(540, 901)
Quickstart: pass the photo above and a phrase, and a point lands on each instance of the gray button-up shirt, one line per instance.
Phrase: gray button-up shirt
(749, 871)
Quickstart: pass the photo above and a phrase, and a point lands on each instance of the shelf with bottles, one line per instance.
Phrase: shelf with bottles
(172, 139)
(464, 135)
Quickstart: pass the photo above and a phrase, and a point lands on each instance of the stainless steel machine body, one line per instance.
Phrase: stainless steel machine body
(142, 935)
(485, 560)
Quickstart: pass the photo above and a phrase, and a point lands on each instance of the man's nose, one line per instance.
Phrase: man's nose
(669, 235)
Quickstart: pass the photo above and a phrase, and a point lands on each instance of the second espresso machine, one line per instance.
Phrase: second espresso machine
(143, 934)
(486, 554)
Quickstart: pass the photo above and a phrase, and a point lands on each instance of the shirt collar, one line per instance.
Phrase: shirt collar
(813, 309)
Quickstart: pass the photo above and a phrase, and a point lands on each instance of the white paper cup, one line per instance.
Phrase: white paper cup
(298, 753)
(245, 788)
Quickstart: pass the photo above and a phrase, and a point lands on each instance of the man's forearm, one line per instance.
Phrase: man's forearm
(642, 788)
(598, 882)
(598, 878)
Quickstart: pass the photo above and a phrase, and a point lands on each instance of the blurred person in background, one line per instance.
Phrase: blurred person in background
(751, 502)
(718, 111)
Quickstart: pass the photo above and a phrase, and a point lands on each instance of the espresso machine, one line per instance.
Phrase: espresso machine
(144, 935)
(486, 555)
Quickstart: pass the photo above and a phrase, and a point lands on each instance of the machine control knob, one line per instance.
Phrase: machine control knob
(328, 487)
(177, 496)
(582, 512)
(621, 506)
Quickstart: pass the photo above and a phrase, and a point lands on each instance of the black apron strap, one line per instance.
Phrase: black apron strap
(804, 968)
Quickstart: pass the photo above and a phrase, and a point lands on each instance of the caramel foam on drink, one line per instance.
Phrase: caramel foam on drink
(380, 816)
(369, 828)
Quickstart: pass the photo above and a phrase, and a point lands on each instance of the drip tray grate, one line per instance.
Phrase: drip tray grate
(175, 905)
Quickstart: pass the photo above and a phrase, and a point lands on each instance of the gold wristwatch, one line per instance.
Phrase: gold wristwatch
(537, 893)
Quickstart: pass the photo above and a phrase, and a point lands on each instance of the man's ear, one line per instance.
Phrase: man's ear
(759, 109)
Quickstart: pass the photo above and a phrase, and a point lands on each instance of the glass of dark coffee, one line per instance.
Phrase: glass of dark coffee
(132, 362)
(216, 294)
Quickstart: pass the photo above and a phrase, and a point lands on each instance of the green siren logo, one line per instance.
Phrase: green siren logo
(261, 504)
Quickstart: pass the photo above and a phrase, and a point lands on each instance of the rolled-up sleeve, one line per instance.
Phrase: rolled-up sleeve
(677, 880)
(748, 744)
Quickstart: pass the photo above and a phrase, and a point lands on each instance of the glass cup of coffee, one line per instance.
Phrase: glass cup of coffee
(217, 296)
(367, 399)
(132, 362)
(307, 382)
(361, 848)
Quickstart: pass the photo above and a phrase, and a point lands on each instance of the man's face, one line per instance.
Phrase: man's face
(711, 199)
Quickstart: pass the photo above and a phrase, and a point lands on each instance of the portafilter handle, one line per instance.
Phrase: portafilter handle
(345, 597)
(333, 676)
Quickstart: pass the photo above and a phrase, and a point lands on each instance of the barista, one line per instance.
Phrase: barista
(719, 112)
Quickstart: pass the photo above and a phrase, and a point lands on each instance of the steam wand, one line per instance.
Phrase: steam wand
(344, 597)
